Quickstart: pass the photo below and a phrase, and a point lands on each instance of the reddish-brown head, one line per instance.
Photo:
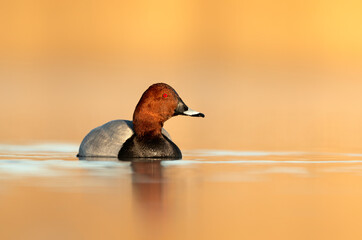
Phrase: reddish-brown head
(158, 104)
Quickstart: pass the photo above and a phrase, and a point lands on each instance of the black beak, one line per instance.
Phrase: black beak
(182, 109)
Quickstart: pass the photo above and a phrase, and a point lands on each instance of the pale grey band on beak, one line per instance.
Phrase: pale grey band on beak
(193, 113)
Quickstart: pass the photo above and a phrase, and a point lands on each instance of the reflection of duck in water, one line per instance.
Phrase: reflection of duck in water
(144, 137)
(148, 184)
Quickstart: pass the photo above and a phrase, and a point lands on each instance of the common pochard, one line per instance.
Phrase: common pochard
(145, 136)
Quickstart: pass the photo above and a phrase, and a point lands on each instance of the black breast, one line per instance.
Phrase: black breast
(149, 147)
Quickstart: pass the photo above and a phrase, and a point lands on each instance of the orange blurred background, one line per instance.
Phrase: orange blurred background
(269, 75)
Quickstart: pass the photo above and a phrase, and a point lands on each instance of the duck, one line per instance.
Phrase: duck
(144, 136)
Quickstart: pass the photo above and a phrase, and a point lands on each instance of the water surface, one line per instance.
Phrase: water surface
(47, 193)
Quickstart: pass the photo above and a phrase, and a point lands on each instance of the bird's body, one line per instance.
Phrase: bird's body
(108, 139)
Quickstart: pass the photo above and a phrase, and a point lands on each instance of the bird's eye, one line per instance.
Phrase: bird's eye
(164, 95)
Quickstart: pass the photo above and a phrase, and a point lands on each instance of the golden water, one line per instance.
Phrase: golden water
(47, 193)
(269, 76)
